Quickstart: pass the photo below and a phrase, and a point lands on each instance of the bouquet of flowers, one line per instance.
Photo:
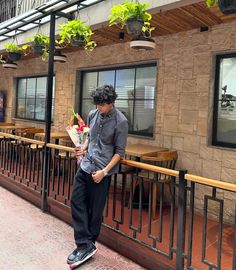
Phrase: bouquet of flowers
(78, 133)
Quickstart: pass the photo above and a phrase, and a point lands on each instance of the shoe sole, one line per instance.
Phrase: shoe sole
(69, 262)
(74, 265)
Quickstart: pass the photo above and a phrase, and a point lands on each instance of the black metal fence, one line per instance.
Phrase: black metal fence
(12, 8)
(177, 231)
(7, 9)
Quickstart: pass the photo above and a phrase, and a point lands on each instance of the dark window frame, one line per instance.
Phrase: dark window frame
(17, 98)
(216, 142)
(153, 63)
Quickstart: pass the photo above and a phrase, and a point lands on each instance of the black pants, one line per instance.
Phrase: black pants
(87, 204)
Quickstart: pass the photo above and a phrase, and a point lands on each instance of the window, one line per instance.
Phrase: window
(224, 119)
(31, 98)
(135, 86)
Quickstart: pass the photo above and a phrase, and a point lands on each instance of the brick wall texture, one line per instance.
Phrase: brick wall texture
(185, 86)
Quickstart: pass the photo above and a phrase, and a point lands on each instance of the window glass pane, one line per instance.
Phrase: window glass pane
(135, 86)
(87, 107)
(52, 108)
(29, 110)
(53, 88)
(125, 83)
(31, 87)
(106, 77)
(40, 109)
(41, 87)
(143, 118)
(145, 82)
(227, 77)
(21, 88)
(21, 108)
(126, 107)
(89, 83)
(31, 98)
(226, 120)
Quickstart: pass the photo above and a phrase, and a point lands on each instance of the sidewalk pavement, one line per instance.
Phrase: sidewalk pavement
(33, 240)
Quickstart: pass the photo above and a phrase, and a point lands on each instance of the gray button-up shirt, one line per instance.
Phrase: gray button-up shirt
(107, 136)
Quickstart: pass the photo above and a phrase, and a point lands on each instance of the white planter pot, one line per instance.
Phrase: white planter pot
(60, 58)
(141, 44)
(10, 65)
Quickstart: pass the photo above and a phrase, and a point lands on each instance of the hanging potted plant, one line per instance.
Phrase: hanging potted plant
(133, 15)
(14, 51)
(7, 63)
(40, 45)
(226, 6)
(76, 33)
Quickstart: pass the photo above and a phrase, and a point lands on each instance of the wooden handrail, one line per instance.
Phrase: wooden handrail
(8, 135)
(210, 182)
(60, 147)
(149, 167)
(139, 165)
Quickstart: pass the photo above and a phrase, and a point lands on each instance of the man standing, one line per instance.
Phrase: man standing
(102, 151)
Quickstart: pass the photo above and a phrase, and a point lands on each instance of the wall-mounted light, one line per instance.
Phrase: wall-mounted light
(204, 28)
(121, 35)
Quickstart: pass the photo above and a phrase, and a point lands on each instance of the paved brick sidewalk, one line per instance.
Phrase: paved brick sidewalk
(32, 240)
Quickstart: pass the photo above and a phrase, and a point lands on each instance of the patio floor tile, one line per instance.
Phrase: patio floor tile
(33, 240)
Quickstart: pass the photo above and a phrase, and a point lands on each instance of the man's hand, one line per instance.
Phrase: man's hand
(98, 176)
(79, 151)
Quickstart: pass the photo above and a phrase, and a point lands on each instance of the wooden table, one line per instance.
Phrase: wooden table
(6, 124)
(13, 128)
(139, 150)
(56, 135)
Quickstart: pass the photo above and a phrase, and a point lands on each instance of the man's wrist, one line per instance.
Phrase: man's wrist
(105, 172)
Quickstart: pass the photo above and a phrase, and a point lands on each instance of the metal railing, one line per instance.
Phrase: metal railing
(24, 6)
(172, 233)
(12, 8)
(7, 9)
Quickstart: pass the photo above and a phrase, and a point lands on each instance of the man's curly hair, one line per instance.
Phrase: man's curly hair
(104, 95)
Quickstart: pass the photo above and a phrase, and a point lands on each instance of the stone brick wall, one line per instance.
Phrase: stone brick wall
(185, 82)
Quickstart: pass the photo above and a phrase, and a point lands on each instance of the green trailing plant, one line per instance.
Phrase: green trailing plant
(76, 30)
(12, 48)
(40, 40)
(226, 6)
(131, 10)
(15, 51)
(211, 3)
(2, 59)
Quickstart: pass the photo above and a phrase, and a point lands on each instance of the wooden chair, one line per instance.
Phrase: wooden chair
(166, 159)
(30, 133)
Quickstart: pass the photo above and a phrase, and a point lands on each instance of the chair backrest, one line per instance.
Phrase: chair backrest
(30, 132)
(166, 159)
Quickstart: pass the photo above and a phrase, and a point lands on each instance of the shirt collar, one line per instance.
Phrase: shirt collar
(111, 112)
